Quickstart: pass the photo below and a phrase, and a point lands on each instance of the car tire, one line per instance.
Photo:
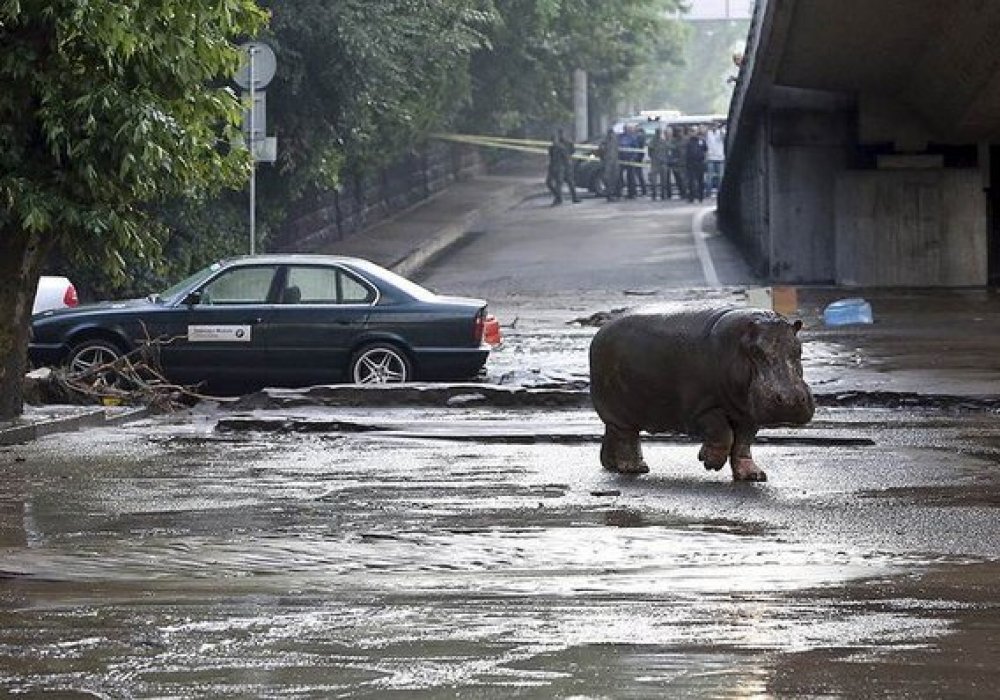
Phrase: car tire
(89, 354)
(380, 363)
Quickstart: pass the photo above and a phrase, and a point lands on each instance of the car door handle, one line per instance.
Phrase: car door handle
(251, 321)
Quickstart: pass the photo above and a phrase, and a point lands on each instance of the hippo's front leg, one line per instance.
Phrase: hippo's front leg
(744, 468)
(718, 435)
(621, 451)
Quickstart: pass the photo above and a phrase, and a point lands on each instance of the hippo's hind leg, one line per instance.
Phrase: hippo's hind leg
(718, 435)
(621, 451)
(744, 468)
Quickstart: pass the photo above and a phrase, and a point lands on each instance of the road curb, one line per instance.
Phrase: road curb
(27, 429)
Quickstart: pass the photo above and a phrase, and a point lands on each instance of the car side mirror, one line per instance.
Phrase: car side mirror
(192, 299)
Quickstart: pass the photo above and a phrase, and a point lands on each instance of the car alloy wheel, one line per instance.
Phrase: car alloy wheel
(92, 354)
(380, 364)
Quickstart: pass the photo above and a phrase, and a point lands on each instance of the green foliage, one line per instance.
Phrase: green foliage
(699, 85)
(360, 81)
(108, 106)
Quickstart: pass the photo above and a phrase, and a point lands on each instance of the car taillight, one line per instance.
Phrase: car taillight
(70, 298)
(478, 326)
(491, 331)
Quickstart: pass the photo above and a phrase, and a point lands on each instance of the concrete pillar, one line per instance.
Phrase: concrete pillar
(580, 104)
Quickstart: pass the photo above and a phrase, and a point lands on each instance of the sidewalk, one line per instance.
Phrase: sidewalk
(410, 239)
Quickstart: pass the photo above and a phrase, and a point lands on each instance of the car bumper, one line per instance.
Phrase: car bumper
(450, 363)
(46, 354)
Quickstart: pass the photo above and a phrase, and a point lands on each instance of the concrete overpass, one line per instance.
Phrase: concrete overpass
(864, 143)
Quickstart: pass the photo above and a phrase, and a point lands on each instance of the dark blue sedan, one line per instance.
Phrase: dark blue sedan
(280, 320)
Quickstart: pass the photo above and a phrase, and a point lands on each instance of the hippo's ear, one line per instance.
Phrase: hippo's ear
(796, 326)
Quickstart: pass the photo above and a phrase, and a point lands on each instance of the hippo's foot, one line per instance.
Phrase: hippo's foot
(713, 457)
(621, 452)
(745, 469)
(632, 468)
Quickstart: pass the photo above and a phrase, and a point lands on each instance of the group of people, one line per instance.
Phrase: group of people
(686, 163)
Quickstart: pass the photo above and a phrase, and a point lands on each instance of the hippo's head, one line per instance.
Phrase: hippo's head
(772, 352)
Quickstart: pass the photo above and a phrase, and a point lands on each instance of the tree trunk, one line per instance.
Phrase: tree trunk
(21, 257)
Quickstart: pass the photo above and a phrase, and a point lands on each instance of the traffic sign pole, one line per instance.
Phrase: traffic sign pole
(252, 138)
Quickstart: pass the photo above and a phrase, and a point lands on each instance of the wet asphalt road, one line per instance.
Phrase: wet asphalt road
(474, 551)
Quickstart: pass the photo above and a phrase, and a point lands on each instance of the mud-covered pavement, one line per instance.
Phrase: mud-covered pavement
(292, 556)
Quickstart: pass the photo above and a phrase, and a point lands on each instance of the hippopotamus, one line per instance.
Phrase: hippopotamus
(718, 373)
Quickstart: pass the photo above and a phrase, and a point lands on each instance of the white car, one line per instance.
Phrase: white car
(54, 293)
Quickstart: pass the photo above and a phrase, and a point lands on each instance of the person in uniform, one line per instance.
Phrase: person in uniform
(557, 168)
(694, 159)
(609, 156)
(639, 140)
(675, 164)
(568, 168)
(627, 141)
(659, 174)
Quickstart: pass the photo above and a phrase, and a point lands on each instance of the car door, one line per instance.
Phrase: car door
(323, 310)
(220, 334)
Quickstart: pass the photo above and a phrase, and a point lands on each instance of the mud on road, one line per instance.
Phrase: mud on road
(172, 558)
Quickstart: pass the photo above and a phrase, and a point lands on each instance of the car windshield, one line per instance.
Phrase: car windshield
(186, 284)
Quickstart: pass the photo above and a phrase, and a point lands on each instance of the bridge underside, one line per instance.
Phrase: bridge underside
(863, 142)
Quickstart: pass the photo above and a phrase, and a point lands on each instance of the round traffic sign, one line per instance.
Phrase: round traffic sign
(264, 65)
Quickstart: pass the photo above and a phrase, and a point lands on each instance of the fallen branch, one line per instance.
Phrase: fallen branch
(133, 379)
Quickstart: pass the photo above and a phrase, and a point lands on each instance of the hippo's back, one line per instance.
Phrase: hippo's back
(655, 368)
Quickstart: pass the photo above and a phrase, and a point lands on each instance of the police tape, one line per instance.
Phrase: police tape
(532, 146)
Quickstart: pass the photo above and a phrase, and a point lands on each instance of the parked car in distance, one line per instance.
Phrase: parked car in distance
(54, 292)
(589, 174)
(280, 320)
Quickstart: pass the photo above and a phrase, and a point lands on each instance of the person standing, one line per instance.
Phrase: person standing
(627, 145)
(675, 164)
(639, 137)
(557, 168)
(694, 160)
(609, 156)
(659, 173)
(569, 148)
(715, 158)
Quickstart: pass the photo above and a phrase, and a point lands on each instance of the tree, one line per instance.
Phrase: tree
(361, 81)
(523, 78)
(107, 106)
(699, 85)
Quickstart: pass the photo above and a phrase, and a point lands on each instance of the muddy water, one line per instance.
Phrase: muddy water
(171, 560)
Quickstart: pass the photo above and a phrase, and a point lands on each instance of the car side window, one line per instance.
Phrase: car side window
(243, 285)
(314, 285)
(325, 285)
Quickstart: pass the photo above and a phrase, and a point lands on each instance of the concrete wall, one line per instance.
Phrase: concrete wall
(808, 149)
(911, 228)
(782, 214)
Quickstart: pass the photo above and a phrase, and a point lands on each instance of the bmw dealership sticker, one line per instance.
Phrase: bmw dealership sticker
(219, 334)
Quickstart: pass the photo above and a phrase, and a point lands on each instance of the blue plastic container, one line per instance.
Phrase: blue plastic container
(845, 312)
